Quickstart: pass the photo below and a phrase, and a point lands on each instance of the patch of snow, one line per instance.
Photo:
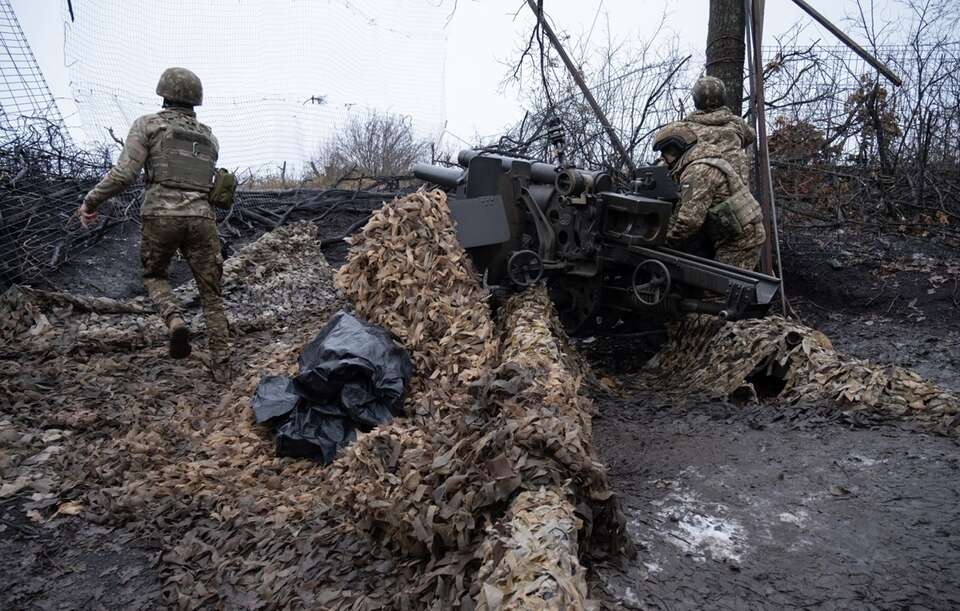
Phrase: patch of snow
(797, 518)
(700, 528)
(863, 461)
(710, 535)
(630, 597)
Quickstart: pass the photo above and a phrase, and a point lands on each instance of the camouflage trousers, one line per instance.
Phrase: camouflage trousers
(196, 238)
(744, 251)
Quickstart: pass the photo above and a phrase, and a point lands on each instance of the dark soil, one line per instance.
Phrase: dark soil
(70, 564)
(112, 267)
(766, 507)
(902, 277)
(769, 506)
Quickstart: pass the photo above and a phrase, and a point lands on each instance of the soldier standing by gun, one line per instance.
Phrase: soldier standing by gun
(715, 124)
(179, 155)
(714, 200)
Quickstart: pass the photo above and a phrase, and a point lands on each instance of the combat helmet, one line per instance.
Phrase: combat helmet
(677, 134)
(180, 85)
(709, 93)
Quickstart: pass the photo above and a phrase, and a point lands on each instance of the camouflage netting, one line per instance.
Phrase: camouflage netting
(408, 273)
(475, 499)
(734, 359)
(530, 558)
(135, 439)
(480, 433)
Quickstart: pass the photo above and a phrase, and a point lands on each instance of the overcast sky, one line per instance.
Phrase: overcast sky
(483, 36)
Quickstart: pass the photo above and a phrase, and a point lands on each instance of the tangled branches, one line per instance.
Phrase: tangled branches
(43, 176)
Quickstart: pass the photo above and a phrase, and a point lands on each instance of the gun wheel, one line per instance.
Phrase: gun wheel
(525, 268)
(651, 282)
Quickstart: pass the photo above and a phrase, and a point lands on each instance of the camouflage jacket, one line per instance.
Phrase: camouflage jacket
(701, 186)
(726, 131)
(142, 142)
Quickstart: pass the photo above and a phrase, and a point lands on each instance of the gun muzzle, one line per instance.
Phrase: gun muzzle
(447, 178)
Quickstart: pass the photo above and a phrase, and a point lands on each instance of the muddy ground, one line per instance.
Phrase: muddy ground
(763, 506)
(798, 506)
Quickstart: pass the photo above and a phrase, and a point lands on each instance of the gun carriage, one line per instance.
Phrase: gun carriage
(601, 250)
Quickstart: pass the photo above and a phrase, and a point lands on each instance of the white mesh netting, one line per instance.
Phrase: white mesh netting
(279, 76)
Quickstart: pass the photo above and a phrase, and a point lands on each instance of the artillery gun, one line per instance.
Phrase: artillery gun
(600, 250)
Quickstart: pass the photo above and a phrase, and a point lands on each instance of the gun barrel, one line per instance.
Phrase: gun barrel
(445, 177)
(543, 173)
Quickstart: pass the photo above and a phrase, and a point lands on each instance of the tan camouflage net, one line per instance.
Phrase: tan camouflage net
(107, 426)
(135, 439)
(721, 361)
(530, 558)
(408, 273)
(430, 486)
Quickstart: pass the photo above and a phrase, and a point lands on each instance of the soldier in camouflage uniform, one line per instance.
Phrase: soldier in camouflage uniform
(178, 154)
(714, 200)
(713, 123)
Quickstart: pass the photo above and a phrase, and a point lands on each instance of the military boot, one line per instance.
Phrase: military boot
(221, 368)
(179, 338)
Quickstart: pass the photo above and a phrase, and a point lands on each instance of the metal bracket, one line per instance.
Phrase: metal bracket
(738, 298)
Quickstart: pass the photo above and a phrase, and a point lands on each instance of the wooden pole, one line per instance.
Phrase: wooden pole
(725, 49)
(755, 21)
(870, 59)
(771, 249)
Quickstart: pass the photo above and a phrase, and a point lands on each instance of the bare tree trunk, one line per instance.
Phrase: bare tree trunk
(883, 150)
(725, 50)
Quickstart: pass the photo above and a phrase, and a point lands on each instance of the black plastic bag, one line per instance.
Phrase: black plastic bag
(274, 398)
(359, 365)
(308, 433)
(352, 376)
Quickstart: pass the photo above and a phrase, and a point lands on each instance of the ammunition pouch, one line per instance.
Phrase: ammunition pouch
(187, 158)
(224, 188)
(728, 220)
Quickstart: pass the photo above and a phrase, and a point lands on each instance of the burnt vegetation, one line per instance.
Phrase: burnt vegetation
(848, 148)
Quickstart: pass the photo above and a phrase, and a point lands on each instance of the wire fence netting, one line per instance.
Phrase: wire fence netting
(849, 147)
(42, 172)
(835, 91)
(279, 76)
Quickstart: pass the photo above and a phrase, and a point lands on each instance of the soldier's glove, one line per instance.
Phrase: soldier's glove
(87, 216)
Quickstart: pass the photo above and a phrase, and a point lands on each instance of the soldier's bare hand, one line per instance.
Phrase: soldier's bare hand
(87, 216)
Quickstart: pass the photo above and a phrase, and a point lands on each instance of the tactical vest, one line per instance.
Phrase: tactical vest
(187, 158)
(727, 220)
